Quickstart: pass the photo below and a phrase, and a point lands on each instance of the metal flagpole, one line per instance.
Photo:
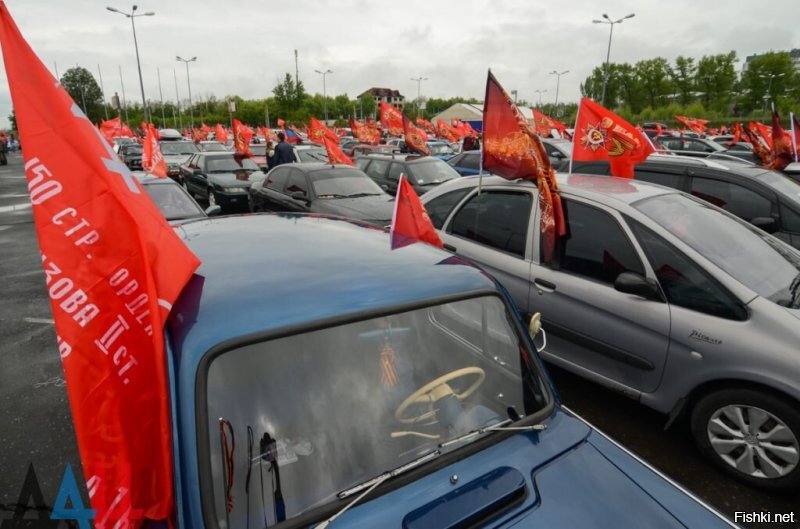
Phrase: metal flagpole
(55, 65)
(161, 95)
(124, 99)
(794, 136)
(178, 99)
(102, 91)
(575, 136)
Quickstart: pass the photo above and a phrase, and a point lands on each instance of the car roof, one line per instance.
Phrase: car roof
(308, 146)
(402, 157)
(300, 269)
(312, 167)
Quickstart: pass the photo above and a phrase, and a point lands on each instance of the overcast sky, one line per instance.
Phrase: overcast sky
(244, 46)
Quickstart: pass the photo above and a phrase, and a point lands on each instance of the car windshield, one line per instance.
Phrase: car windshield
(213, 147)
(132, 149)
(173, 202)
(259, 149)
(312, 155)
(178, 147)
(757, 260)
(440, 148)
(324, 410)
(229, 164)
(341, 183)
(431, 172)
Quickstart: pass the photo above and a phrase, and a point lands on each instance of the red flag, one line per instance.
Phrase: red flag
(545, 124)
(281, 123)
(197, 135)
(113, 268)
(152, 159)
(425, 125)
(205, 129)
(410, 222)
(761, 152)
(392, 119)
(335, 154)
(764, 131)
(221, 134)
(415, 138)
(443, 130)
(241, 138)
(603, 135)
(317, 132)
(363, 133)
(695, 124)
(458, 128)
(512, 149)
(796, 137)
(737, 133)
(783, 147)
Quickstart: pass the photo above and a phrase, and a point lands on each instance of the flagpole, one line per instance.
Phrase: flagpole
(794, 136)
(575, 136)
(161, 95)
(102, 91)
(124, 99)
(178, 100)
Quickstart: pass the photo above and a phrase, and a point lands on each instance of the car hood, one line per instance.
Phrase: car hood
(237, 179)
(376, 209)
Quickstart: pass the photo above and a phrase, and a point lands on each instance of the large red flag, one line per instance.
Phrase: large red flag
(241, 138)
(443, 130)
(152, 159)
(410, 222)
(113, 267)
(363, 133)
(764, 131)
(796, 137)
(512, 149)
(694, 124)
(220, 134)
(602, 135)
(392, 119)
(782, 145)
(317, 132)
(415, 138)
(544, 124)
(425, 125)
(335, 154)
(761, 152)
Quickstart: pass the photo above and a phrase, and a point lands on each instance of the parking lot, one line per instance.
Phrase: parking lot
(37, 428)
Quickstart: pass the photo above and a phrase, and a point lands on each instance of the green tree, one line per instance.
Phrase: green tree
(12, 119)
(367, 106)
(84, 90)
(654, 78)
(770, 76)
(683, 75)
(715, 80)
(289, 98)
(630, 87)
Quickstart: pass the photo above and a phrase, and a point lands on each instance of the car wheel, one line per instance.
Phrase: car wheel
(212, 198)
(753, 435)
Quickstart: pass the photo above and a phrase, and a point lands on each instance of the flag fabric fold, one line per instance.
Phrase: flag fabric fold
(113, 268)
(415, 138)
(364, 133)
(443, 130)
(694, 124)
(782, 145)
(152, 159)
(391, 119)
(220, 134)
(318, 132)
(241, 138)
(335, 154)
(410, 222)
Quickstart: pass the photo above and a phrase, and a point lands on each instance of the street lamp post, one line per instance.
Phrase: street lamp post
(558, 82)
(771, 76)
(324, 92)
(514, 93)
(540, 92)
(419, 89)
(189, 84)
(608, 53)
(132, 15)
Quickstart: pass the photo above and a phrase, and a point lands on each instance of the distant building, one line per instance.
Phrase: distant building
(794, 54)
(386, 95)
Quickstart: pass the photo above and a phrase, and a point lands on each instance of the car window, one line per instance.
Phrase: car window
(683, 282)
(790, 219)
(395, 170)
(277, 179)
(657, 177)
(498, 219)
(173, 202)
(440, 207)
(470, 161)
(362, 163)
(595, 245)
(740, 201)
(297, 183)
(377, 169)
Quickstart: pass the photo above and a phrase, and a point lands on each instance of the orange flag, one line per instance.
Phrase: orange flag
(512, 149)
(392, 119)
(764, 131)
(113, 268)
(335, 154)
(694, 124)
(783, 147)
(443, 130)
(761, 152)
(241, 138)
(221, 134)
(425, 125)
(363, 133)
(415, 138)
(152, 159)
(317, 132)
(602, 135)
(410, 222)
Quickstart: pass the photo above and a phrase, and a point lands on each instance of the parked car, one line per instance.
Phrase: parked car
(559, 151)
(211, 146)
(173, 200)
(423, 172)
(170, 135)
(440, 149)
(322, 188)
(658, 295)
(765, 198)
(310, 152)
(364, 149)
(123, 140)
(131, 154)
(375, 388)
(221, 178)
(654, 128)
(467, 163)
(687, 146)
(176, 153)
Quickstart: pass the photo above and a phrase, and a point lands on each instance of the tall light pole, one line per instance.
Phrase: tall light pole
(540, 92)
(514, 93)
(132, 15)
(324, 91)
(419, 88)
(189, 84)
(178, 100)
(611, 23)
(558, 82)
(771, 76)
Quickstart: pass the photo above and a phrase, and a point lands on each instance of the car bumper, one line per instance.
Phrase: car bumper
(225, 199)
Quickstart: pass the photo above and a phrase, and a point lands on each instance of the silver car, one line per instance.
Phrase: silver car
(658, 295)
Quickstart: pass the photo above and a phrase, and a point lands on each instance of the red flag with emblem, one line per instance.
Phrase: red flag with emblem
(221, 134)
(694, 124)
(512, 149)
(363, 133)
(317, 131)
(602, 135)
(152, 159)
(113, 268)
(761, 152)
(457, 126)
(783, 147)
(391, 119)
(763, 131)
(335, 154)
(410, 222)
(425, 125)
(443, 130)
(241, 138)
(415, 138)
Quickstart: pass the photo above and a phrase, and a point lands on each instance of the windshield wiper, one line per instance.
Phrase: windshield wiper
(332, 195)
(502, 426)
(794, 293)
(357, 195)
(373, 483)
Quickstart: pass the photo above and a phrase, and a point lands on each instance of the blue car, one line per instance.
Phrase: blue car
(320, 379)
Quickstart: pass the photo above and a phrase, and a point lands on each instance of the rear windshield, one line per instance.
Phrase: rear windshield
(431, 172)
(173, 202)
(178, 147)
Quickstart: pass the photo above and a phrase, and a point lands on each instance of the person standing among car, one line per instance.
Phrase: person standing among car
(270, 153)
(284, 153)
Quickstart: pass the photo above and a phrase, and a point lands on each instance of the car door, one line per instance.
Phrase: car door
(198, 176)
(393, 177)
(377, 171)
(790, 223)
(186, 172)
(617, 339)
(269, 196)
(493, 229)
(296, 184)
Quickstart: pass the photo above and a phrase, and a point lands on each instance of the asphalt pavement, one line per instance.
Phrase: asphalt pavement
(36, 426)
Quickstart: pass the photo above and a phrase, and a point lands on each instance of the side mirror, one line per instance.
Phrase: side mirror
(768, 224)
(299, 195)
(638, 285)
(213, 211)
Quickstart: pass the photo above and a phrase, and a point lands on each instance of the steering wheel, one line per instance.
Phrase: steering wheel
(436, 390)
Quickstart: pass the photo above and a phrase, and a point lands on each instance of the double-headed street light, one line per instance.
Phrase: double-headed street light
(558, 82)
(324, 92)
(419, 83)
(540, 92)
(189, 83)
(769, 76)
(611, 23)
(132, 15)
